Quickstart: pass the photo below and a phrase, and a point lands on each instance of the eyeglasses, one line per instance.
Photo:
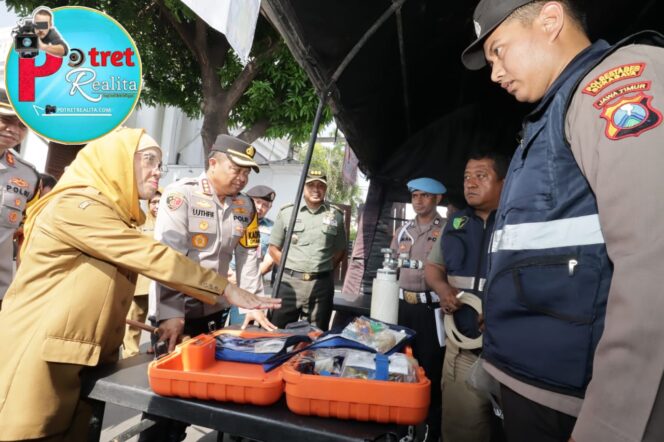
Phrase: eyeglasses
(151, 161)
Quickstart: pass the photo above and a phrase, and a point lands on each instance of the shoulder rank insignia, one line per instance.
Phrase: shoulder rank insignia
(630, 117)
(207, 188)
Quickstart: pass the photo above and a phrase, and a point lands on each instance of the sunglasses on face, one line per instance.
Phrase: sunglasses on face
(41, 25)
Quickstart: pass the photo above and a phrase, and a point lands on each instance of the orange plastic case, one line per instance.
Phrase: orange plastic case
(192, 371)
(362, 400)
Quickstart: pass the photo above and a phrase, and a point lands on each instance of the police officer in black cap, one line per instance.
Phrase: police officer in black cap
(574, 290)
(263, 196)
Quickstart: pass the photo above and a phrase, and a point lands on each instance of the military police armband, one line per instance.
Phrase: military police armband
(252, 237)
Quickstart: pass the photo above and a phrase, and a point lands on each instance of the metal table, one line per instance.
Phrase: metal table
(126, 384)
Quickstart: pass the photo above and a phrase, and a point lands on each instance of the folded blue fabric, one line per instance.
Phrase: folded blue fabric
(253, 350)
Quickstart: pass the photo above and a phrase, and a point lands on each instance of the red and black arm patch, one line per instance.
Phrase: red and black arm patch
(627, 109)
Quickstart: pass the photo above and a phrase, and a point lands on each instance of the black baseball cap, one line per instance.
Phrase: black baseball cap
(488, 15)
(263, 192)
(238, 151)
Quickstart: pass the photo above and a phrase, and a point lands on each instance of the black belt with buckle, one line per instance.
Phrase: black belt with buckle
(415, 297)
(305, 276)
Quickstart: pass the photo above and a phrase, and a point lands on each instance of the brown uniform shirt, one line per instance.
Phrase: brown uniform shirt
(614, 126)
(416, 240)
(193, 221)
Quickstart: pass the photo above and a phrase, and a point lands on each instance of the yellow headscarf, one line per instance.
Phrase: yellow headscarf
(106, 164)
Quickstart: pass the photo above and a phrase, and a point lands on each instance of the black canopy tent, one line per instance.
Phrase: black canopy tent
(405, 103)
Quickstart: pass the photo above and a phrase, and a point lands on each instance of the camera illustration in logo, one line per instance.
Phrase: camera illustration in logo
(49, 109)
(38, 33)
(26, 41)
(76, 58)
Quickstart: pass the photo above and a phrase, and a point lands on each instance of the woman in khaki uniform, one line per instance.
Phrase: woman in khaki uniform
(66, 308)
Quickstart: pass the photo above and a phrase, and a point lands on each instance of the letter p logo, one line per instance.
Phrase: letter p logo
(27, 72)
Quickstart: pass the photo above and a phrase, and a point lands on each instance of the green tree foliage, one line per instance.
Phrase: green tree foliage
(189, 65)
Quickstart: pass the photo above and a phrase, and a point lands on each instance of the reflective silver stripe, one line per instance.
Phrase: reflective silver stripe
(461, 282)
(465, 282)
(579, 231)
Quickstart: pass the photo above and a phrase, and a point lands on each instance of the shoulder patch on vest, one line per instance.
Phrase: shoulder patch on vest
(630, 117)
(619, 92)
(459, 222)
(607, 78)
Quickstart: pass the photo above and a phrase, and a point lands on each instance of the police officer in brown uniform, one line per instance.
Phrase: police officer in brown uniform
(418, 304)
(577, 344)
(317, 246)
(19, 182)
(208, 219)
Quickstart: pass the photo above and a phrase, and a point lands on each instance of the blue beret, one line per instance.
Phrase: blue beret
(428, 185)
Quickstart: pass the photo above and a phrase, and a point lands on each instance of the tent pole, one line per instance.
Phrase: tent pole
(300, 189)
(404, 74)
(396, 4)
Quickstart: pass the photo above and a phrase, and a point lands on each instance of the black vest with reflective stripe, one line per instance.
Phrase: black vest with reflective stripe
(549, 272)
(465, 242)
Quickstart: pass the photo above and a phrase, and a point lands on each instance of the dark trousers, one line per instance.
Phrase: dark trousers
(169, 430)
(528, 421)
(429, 353)
(313, 300)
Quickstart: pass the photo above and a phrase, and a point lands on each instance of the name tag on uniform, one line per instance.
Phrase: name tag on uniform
(330, 221)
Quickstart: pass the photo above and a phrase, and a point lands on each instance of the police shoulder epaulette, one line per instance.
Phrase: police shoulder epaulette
(287, 206)
(25, 163)
(246, 200)
(338, 209)
(183, 182)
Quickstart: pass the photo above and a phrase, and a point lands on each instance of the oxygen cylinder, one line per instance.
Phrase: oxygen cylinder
(385, 296)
